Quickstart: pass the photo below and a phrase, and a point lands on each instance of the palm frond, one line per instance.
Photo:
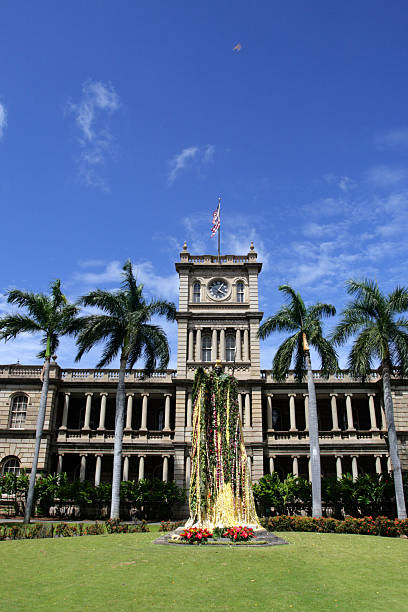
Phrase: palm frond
(283, 357)
(112, 302)
(13, 325)
(398, 300)
(320, 310)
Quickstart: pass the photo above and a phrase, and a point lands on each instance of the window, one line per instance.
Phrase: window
(11, 466)
(230, 348)
(160, 420)
(196, 293)
(240, 292)
(18, 411)
(206, 348)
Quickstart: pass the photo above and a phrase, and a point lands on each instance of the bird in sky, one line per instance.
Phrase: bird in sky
(237, 47)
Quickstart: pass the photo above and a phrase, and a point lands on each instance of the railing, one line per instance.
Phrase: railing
(324, 435)
(112, 375)
(341, 376)
(77, 435)
(9, 371)
(214, 259)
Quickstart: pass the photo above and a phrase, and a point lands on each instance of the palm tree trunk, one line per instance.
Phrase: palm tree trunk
(38, 436)
(393, 442)
(314, 442)
(117, 450)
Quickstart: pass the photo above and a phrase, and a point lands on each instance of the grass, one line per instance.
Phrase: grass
(317, 572)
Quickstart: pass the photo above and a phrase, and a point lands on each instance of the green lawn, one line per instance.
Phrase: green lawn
(317, 572)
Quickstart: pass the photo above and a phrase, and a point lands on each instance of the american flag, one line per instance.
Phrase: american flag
(216, 219)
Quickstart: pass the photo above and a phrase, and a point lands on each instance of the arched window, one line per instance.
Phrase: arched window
(196, 292)
(230, 348)
(206, 348)
(240, 291)
(18, 411)
(11, 465)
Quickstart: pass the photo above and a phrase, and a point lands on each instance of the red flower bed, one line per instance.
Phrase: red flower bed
(239, 534)
(194, 534)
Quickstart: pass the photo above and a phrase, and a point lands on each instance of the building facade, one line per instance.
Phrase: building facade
(218, 318)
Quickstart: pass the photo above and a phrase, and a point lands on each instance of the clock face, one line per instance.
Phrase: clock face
(218, 288)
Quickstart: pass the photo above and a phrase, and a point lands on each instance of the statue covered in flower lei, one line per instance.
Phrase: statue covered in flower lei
(220, 484)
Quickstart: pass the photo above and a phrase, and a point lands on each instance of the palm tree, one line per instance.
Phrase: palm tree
(305, 322)
(381, 336)
(51, 316)
(126, 331)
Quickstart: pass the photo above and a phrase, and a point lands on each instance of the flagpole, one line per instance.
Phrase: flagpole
(219, 232)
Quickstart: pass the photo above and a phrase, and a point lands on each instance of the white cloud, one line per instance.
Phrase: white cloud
(386, 176)
(188, 156)
(345, 183)
(393, 139)
(158, 286)
(98, 102)
(3, 120)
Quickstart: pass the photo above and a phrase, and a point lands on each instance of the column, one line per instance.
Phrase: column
(103, 411)
(249, 464)
(354, 467)
(238, 353)
(269, 420)
(240, 405)
(309, 468)
(247, 419)
(82, 468)
(271, 464)
(88, 410)
(125, 475)
(60, 459)
(295, 465)
(198, 345)
(292, 412)
(383, 418)
(371, 406)
(246, 345)
(339, 467)
(389, 464)
(189, 410)
(306, 401)
(335, 418)
(378, 468)
(349, 409)
(190, 345)
(141, 467)
(214, 345)
(65, 413)
(222, 344)
(98, 470)
(167, 411)
(143, 425)
(129, 410)
(188, 471)
(165, 468)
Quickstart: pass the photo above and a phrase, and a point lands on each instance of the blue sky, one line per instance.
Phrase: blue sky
(121, 123)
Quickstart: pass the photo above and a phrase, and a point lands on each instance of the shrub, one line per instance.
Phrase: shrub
(93, 529)
(170, 526)
(367, 525)
(65, 530)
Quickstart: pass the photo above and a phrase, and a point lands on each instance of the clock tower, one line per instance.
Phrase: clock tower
(218, 318)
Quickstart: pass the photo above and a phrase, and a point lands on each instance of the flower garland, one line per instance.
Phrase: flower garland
(220, 482)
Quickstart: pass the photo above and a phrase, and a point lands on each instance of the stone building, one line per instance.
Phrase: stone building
(218, 318)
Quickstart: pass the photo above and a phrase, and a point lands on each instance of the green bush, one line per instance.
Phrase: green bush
(381, 526)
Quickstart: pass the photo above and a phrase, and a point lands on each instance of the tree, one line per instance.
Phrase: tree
(382, 336)
(305, 322)
(126, 331)
(51, 316)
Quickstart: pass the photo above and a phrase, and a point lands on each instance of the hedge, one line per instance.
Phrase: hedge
(367, 525)
(67, 530)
